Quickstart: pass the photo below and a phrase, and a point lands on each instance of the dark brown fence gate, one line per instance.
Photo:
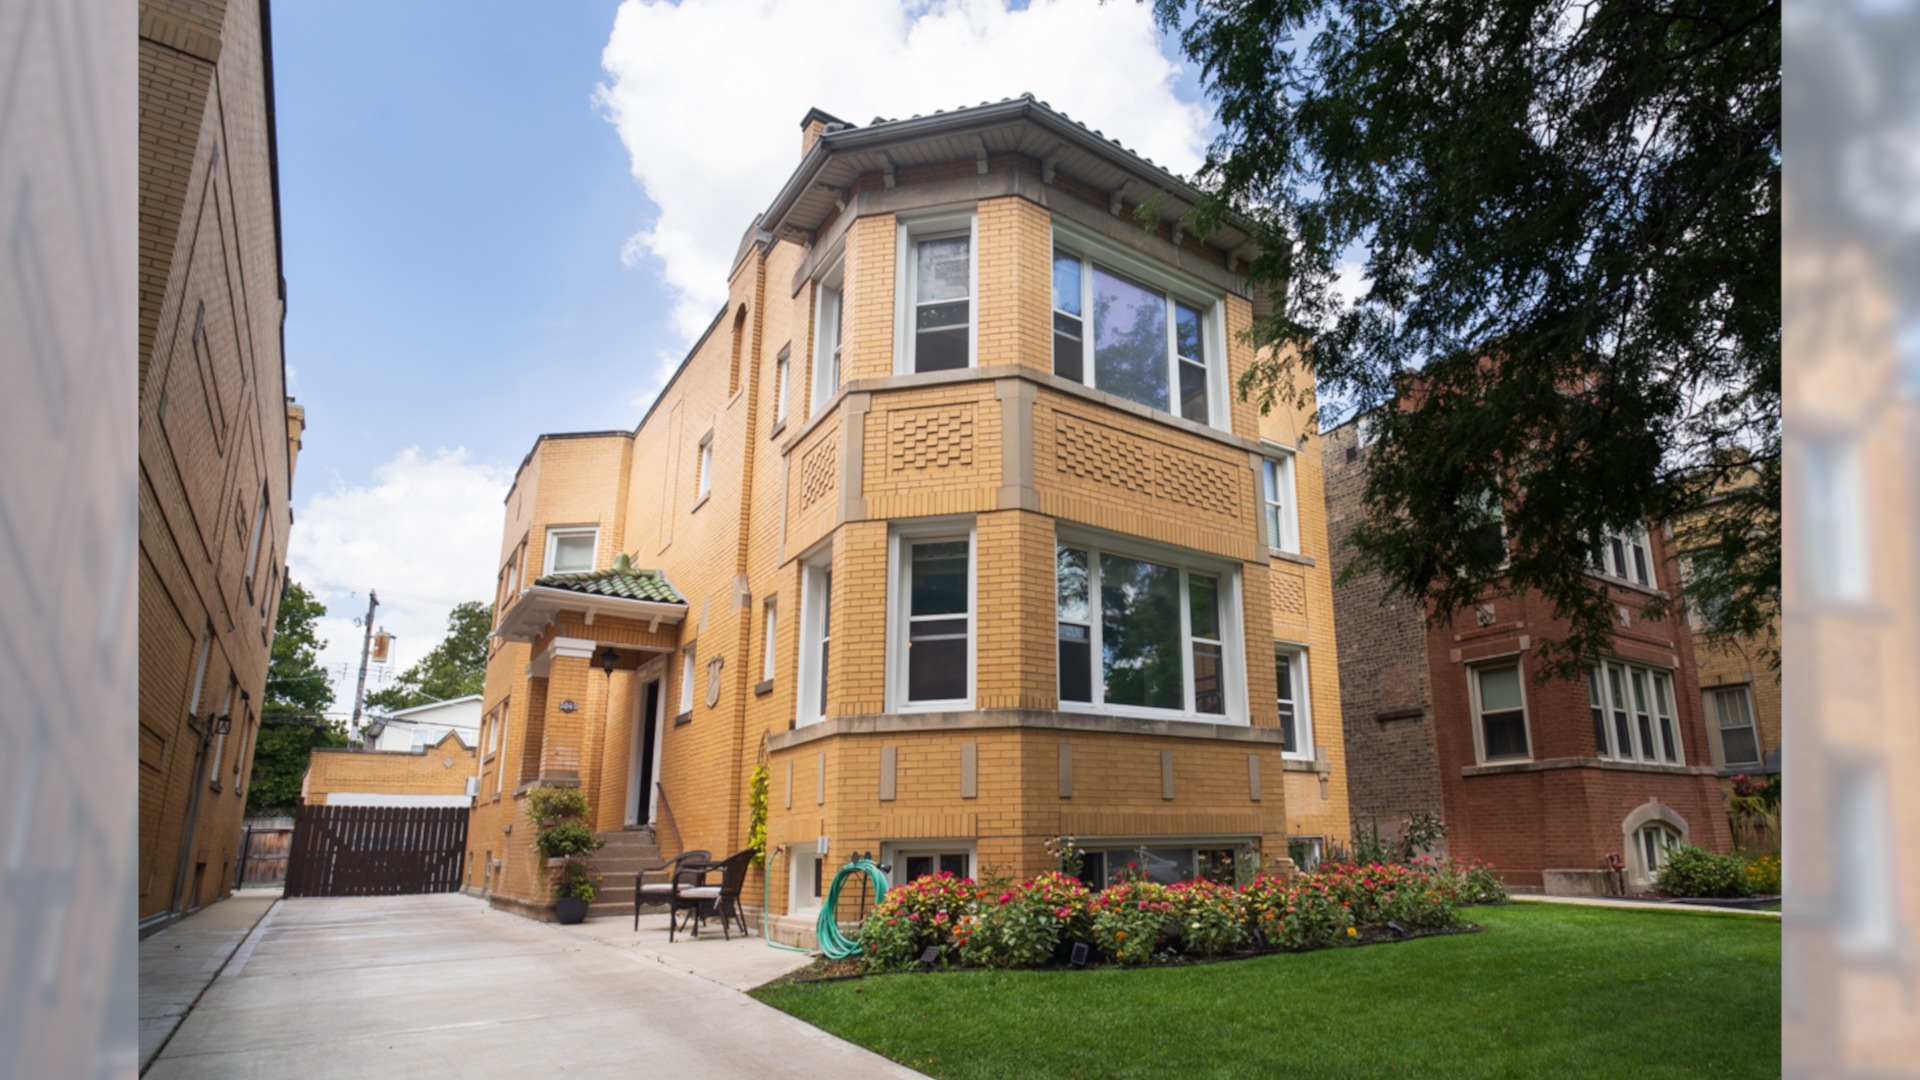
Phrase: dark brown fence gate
(376, 850)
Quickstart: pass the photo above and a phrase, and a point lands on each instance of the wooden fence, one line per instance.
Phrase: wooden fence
(376, 850)
(264, 843)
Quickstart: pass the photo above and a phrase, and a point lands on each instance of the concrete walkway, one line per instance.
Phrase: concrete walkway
(179, 963)
(444, 986)
(1595, 901)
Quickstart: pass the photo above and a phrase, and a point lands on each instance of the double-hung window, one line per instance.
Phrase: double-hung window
(1143, 636)
(571, 551)
(781, 367)
(769, 642)
(1836, 556)
(826, 340)
(1633, 715)
(1279, 525)
(704, 484)
(1624, 554)
(1500, 706)
(1290, 683)
(938, 271)
(816, 638)
(1149, 341)
(687, 674)
(932, 620)
(1733, 714)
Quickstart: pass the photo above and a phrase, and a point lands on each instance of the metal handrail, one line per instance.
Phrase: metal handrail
(667, 807)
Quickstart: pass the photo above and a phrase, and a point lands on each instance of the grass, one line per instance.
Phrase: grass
(1549, 991)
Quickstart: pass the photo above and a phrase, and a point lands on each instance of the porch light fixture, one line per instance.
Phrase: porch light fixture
(221, 724)
(606, 658)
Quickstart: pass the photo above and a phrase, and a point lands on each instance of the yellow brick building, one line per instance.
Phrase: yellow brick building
(953, 522)
(437, 775)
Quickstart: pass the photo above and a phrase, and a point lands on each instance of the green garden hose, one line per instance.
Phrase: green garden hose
(827, 929)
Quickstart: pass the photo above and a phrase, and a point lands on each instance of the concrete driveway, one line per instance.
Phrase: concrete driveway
(444, 986)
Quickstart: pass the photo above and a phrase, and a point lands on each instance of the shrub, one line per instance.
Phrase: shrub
(566, 838)
(1474, 881)
(1210, 917)
(559, 814)
(577, 882)
(1132, 920)
(923, 912)
(556, 803)
(1305, 914)
(1026, 925)
(1762, 873)
(757, 815)
(1697, 872)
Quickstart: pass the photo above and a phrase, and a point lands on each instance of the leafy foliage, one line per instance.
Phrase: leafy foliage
(577, 881)
(757, 815)
(293, 707)
(560, 814)
(1692, 871)
(454, 668)
(1132, 920)
(1569, 219)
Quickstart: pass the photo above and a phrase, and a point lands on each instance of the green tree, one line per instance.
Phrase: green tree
(1568, 216)
(455, 668)
(293, 717)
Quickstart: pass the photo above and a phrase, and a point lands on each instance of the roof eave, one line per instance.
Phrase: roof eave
(536, 605)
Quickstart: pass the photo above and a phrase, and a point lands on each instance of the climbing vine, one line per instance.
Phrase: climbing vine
(757, 815)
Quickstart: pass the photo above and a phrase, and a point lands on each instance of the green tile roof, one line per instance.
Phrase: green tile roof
(622, 580)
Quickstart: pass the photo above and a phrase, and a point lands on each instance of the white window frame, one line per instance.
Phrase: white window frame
(769, 646)
(1710, 701)
(801, 899)
(500, 752)
(829, 299)
(703, 484)
(1668, 839)
(554, 534)
(1656, 679)
(1232, 642)
(1297, 658)
(253, 546)
(909, 231)
(689, 671)
(897, 852)
(1479, 729)
(1278, 467)
(816, 595)
(900, 540)
(1178, 288)
(1614, 558)
(782, 371)
(1836, 553)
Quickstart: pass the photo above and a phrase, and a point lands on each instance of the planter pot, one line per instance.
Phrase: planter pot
(569, 910)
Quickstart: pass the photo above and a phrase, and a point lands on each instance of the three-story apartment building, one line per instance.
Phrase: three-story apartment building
(953, 522)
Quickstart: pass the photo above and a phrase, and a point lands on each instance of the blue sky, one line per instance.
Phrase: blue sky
(502, 220)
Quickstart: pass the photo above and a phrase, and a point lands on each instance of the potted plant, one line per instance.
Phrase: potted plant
(576, 889)
(561, 814)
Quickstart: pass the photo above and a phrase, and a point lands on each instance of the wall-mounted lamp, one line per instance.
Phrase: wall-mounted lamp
(221, 724)
(606, 658)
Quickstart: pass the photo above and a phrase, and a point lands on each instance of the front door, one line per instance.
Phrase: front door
(646, 737)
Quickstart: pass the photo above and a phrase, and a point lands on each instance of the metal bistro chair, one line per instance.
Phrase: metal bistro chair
(725, 897)
(661, 892)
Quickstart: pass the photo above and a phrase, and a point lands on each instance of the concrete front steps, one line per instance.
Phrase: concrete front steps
(626, 853)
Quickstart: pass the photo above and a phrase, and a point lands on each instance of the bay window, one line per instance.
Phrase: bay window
(937, 264)
(1151, 341)
(1141, 635)
(1501, 713)
(932, 619)
(1639, 703)
(826, 341)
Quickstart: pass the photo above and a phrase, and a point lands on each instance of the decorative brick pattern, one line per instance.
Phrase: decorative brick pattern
(820, 472)
(1104, 455)
(1290, 596)
(930, 438)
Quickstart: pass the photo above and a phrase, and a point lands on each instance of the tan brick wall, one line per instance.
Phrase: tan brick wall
(214, 432)
(437, 770)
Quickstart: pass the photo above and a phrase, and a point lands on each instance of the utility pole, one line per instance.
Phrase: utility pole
(366, 644)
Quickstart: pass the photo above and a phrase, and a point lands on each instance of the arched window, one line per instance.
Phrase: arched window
(1651, 844)
(739, 336)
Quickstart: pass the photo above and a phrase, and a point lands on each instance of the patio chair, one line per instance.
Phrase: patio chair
(661, 892)
(725, 897)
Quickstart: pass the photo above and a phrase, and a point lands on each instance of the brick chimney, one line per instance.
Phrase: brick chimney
(813, 124)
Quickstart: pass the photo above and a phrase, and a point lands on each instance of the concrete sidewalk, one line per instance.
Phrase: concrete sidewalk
(178, 964)
(444, 986)
(1645, 905)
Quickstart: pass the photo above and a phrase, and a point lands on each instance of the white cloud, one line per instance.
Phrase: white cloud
(425, 535)
(707, 96)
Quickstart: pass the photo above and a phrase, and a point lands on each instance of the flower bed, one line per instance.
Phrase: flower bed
(1133, 922)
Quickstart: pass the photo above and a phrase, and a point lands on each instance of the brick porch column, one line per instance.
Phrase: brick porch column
(564, 733)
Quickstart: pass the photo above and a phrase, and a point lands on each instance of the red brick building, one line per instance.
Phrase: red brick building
(1533, 777)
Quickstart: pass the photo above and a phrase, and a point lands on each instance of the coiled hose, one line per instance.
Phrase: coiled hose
(827, 929)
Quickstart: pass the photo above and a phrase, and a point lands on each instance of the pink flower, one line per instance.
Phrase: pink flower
(1005, 896)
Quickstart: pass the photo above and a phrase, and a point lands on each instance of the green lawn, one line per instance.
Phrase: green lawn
(1548, 991)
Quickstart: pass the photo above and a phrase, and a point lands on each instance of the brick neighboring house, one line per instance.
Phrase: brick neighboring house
(882, 525)
(439, 774)
(218, 437)
(1532, 778)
